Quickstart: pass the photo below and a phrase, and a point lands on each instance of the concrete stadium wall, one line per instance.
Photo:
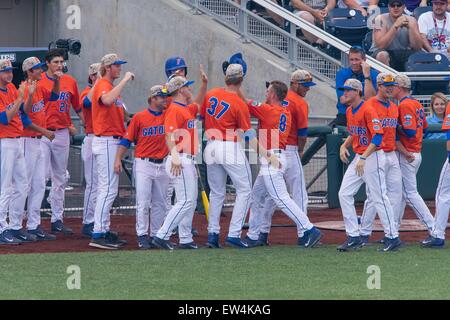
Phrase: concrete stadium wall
(147, 32)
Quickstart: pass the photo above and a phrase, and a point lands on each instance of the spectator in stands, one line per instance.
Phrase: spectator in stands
(360, 5)
(279, 20)
(435, 28)
(395, 36)
(313, 11)
(438, 104)
(410, 5)
(360, 70)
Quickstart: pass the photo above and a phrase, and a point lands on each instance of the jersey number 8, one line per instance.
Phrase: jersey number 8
(213, 104)
(283, 120)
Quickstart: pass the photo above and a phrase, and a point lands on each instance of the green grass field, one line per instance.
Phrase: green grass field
(262, 273)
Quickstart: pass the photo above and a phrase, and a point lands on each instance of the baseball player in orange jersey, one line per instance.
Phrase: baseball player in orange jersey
(36, 97)
(224, 115)
(301, 82)
(182, 141)
(90, 169)
(109, 128)
(366, 135)
(437, 239)
(56, 152)
(274, 129)
(388, 115)
(146, 131)
(412, 123)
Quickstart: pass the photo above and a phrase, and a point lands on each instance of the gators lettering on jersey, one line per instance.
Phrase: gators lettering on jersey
(147, 131)
(14, 128)
(86, 106)
(299, 109)
(181, 120)
(224, 113)
(274, 124)
(363, 124)
(37, 112)
(411, 117)
(58, 111)
(446, 122)
(107, 121)
(388, 116)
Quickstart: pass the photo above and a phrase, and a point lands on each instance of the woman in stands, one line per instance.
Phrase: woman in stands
(438, 104)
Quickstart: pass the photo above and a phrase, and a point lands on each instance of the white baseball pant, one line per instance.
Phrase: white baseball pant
(14, 184)
(104, 150)
(393, 177)
(182, 213)
(411, 196)
(261, 211)
(56, 155)
(90, 176)
(34, 158)
(227, 158)
(374, 177)
(442, 203)
(275, 186)
(152, 183)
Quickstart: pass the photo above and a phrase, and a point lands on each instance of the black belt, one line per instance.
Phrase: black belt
(36, 137)
(153, 160)
(11, 137)
(114, 137)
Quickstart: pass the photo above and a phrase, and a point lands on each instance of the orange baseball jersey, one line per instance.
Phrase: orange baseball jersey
(58, 112)
(181, 120)
(86, 106)
(14, 128)
(363, 124)
(411, 117)
(388, 116)
(274, 124)
(224, 113)
(299, 109)
(446, 122)
(37, 112)
(147, 131)
(107, 120)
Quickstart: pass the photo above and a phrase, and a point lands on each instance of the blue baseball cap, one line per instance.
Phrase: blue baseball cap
(6, 65)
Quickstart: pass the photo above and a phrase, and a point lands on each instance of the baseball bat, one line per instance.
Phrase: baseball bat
(205, 200)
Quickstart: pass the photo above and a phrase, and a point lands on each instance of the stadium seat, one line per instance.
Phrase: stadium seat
(367, 41)
(349, 25)
(424, 61)
(419, 10)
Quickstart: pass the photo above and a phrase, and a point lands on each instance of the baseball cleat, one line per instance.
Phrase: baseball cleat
(313, 236)
(6, 237)
(436, 243)
(58, 226)
(213, 241)
(365, 240)
(41, 235)
(190, 245)
(236, 242)
(113, 237)
(382, 241)
(252, 243)
(427, 241)
(263, 239)
(391, 244)
(301, 241)
(103, 243)
(23, 236)
(352, 243)
(144, 243)
(87, 230)
(162, 244)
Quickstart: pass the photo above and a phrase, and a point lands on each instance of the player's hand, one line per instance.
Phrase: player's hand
(410, 157)
(50, 135)
(365, 69)
(203, 75)
(344, 154)
(360, 167)
(118, 166)
(58, 75)
(22, 90)
(363, 12)
(32, 87)
(129, 76)
(73, 131)
(274, 161)
(176, 168)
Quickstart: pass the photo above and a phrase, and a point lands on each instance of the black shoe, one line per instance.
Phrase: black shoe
(7, 238)
(391, 245)
(365, 240)
(41, 235)
(58, 226)
(87, 230)
(190, 245)
(252, 243)
(427, 241)
(23, 236)
(103, 243)
(352, 243)
(113, 237)
(162, 244)
(263, 239)
(213, 241)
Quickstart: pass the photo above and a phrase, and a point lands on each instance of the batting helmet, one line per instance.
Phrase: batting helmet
(235, 59)
(173, 64)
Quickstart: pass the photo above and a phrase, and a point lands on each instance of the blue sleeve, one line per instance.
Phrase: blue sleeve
(448, 135)
(377, 139)
(249, 135)
(4, 118)
(125, 142)
(340, 79)
(397, 137)
(26, 121)
(302, 132)
(373, 74)
(87, 103)
(409, 132)
(54, 97)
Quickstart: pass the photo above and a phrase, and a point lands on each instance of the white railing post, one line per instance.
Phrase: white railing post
(292, 45)
(243, 22)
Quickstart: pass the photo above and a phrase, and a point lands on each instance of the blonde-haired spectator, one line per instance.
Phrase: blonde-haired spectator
(438, 104)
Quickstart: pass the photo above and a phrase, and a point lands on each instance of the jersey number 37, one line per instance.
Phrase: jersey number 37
(213, 108)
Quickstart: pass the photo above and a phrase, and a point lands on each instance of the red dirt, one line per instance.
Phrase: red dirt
(125, 225)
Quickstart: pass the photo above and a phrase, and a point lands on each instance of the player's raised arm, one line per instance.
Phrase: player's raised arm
(203, 88)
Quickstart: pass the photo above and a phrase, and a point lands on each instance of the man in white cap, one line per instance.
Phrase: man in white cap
(90, 169)
(109, 128)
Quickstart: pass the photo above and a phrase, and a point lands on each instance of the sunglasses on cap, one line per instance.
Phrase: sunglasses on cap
(396, 5)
